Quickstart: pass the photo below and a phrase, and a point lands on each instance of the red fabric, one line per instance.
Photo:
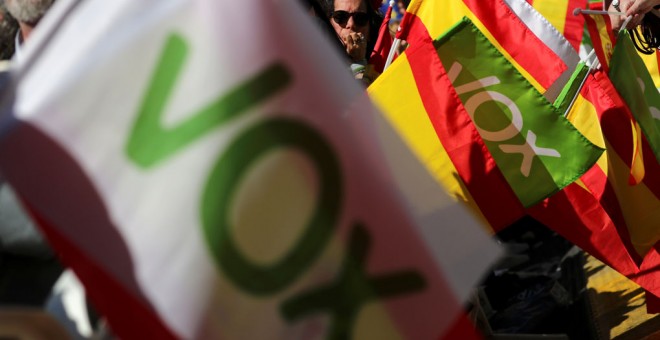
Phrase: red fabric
(652, 303)
(462, 329)
(128, 317)
(512, 34)
(574, 25)
(458, 135)
(518, 40)
(593, 219)
(383, 44)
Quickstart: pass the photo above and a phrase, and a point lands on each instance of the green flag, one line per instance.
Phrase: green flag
(568, 94)
(537, 150)
(635, 85)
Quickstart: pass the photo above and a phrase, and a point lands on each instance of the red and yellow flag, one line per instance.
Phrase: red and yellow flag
(602, 37)
(465, 168)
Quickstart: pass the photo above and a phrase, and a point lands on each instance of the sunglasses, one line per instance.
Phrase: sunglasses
(359, 18)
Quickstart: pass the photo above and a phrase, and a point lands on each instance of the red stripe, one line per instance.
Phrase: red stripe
(574, 24)
(458, 135)
(576, 215)
(518, 40)
(127, 316)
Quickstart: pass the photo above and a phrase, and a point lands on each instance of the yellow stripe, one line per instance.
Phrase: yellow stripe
(651, 62)
(440, 16)
(641, 209)
(637, 170)
(584, 117)
(395, 93)
(554, 11)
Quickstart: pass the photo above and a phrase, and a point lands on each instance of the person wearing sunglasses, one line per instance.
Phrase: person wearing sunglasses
(356, 23)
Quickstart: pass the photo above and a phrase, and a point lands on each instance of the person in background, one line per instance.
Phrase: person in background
(28, 266)
(28, 13)
(356, 22)
(317, 9)
(8, 30)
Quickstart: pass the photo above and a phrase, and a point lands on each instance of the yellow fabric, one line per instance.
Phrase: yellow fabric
(395, 93)
(637, 170)
(554, 11)
(440, 16)
(651, 62)
(606, 42)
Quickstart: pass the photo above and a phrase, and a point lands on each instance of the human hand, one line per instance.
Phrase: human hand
(615, 19)
(638, 7)
(356, 46)
(635, 9)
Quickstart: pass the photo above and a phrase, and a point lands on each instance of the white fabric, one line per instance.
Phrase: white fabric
(86, 91)
(552, 38)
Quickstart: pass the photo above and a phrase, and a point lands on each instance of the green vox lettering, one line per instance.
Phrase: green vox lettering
(151, 143)
(225, 178)
(352, 289)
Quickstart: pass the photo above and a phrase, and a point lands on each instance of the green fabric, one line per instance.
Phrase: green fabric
(537, 150)
(565, 98)
(635, 85)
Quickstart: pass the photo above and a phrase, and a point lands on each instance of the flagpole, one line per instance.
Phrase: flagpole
(579, 11)
(395, 46)
(591, 67)
(390, 56)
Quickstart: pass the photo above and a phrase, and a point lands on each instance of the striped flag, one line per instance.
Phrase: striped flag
(446, 142)
(201, 192)
(602, 36)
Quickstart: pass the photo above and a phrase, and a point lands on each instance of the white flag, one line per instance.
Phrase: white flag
(210, 170)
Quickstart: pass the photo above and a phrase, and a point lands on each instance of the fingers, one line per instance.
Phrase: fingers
(638, 7)
(356, 45)
(356, 39)
(615, 20)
